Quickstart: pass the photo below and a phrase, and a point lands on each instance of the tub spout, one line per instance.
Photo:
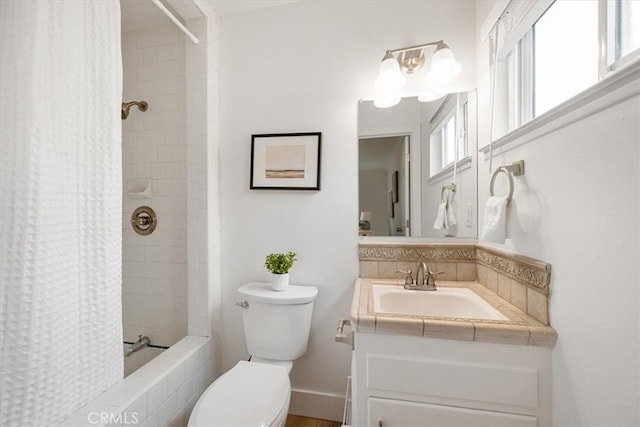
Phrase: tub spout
(138, 345)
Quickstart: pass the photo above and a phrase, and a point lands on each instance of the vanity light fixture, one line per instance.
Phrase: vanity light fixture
(393, 71)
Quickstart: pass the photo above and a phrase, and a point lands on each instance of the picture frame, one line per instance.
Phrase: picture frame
(392, 211)
(285, 161)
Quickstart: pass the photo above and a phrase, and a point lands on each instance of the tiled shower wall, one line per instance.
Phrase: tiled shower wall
(164, 391)
(154, 147)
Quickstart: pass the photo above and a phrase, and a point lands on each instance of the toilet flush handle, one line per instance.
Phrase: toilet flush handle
(243, 304)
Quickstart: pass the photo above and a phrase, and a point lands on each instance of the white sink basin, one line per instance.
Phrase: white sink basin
(445, 302)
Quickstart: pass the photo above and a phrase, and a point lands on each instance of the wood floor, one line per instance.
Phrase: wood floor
(298, 421)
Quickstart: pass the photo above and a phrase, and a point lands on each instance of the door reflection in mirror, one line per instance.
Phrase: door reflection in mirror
(384, 184)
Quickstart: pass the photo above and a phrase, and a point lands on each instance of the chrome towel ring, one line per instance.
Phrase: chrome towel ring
(515, 169)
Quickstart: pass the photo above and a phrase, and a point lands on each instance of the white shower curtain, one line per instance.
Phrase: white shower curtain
(60, 206)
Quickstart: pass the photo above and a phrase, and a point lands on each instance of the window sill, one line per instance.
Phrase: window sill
(613, 90)
(463, 164)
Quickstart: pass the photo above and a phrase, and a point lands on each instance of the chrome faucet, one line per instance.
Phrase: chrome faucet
(138, 345)
(422, 268)
(425, 279)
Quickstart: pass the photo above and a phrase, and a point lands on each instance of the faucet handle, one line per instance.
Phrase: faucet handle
(408, 280)
(431, 280)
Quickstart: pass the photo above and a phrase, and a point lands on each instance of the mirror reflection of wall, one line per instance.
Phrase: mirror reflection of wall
(420, 141)
(383, 184)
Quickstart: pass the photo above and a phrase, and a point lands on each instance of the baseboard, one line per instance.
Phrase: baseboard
(315, 404)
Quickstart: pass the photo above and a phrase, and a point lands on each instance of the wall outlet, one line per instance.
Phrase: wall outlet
(468, 209)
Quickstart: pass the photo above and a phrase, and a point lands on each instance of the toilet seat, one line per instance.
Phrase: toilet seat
(250, 394)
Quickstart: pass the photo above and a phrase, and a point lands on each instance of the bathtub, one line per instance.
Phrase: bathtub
(162, 391)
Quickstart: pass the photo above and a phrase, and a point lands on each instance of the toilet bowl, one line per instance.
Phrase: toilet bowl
(249, 394)
(258, 393)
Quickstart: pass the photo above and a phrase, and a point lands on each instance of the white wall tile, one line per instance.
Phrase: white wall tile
(168, 409)
(151, 421)
(157, 395)
(139, 408)
(154, 146)
(176, 378)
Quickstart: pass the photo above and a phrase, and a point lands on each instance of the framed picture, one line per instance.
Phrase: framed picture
(392, 211)
(285, 161)
(394, 186)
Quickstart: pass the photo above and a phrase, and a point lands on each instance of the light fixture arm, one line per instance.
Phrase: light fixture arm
(439, 44)
(412, 58)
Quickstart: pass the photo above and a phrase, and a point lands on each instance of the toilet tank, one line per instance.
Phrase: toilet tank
(277, 324)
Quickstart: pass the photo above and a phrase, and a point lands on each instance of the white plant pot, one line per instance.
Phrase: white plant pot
(279, 282)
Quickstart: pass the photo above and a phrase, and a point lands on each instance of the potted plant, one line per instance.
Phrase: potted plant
(279, 266)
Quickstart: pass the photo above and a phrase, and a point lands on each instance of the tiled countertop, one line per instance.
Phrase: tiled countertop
(520, 328)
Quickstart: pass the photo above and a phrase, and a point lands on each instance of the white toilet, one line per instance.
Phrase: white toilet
(257, 393)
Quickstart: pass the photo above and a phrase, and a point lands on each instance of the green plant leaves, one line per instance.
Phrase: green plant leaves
(280, 263)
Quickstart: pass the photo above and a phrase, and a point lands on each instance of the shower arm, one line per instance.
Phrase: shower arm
(142, 106)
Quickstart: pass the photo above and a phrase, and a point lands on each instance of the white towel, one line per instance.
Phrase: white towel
(446, 214)
(494, 227)
(501, 220)
(514, 226)
(441, 219)
(451, 215)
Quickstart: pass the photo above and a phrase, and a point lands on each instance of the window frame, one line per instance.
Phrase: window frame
(455, 107)
(515, 96)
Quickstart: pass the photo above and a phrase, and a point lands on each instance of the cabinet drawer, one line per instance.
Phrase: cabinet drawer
(457, 380)
(397, 413)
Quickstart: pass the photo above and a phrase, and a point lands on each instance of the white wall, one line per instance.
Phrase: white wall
(579, 199)
(154, 281)
(296, 68)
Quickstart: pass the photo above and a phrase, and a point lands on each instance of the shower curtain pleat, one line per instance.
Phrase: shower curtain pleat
(60, 207)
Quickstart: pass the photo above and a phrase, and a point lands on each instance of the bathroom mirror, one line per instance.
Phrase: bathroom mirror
(408, 168)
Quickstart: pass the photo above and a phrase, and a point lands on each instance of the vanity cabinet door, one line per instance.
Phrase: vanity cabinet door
(416, 381)
(399, 413)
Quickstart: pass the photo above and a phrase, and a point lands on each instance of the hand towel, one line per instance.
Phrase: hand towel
(501, 220)
(494, 227)
(441, 219)
(451, 216)
(514, 226)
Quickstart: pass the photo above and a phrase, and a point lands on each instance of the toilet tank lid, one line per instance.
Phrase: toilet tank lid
(263, 292)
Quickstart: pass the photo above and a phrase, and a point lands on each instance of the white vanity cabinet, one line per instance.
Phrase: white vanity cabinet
(404, 381)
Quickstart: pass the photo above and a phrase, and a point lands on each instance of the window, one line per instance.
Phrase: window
(448, 135)
(624, 36)
(565, 59)
(554, 50)
(450, 120)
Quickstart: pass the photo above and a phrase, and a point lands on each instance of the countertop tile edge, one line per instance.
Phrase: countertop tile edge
(521, 329)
